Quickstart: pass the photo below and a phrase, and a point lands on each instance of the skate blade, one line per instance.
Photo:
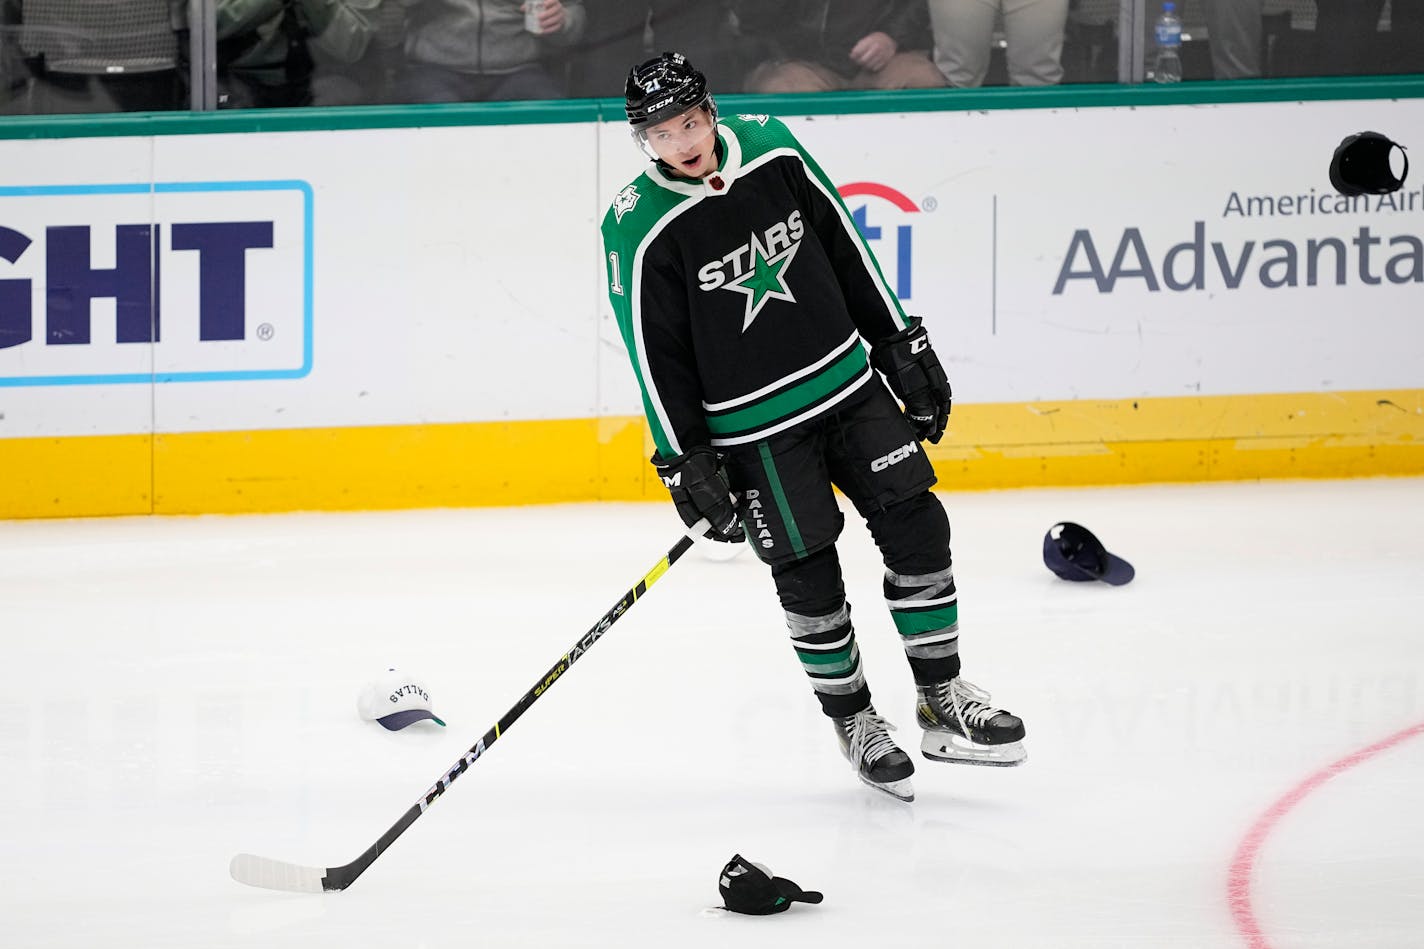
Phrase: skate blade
(942, 746)
(901, 790)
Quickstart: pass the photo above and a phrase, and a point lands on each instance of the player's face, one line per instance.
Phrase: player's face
(686, 143)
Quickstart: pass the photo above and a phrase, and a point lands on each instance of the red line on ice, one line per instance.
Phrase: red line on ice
(1238, 884)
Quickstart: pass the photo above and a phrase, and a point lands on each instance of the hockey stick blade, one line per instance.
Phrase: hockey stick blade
(271, 874)
(274, 874)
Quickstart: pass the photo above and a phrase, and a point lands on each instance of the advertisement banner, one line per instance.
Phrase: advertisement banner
(1129, 253)
(154, 281)
(388, 316)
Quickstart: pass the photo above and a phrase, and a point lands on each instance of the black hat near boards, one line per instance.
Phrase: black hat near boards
(1362, 164)
(750, 888)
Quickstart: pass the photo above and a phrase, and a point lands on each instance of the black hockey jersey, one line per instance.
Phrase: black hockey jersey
(744, 298)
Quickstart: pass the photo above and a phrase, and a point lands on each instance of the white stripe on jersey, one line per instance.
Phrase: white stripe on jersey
(865, 376)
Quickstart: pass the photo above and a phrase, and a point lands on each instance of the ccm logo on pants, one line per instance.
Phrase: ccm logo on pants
(895, 457)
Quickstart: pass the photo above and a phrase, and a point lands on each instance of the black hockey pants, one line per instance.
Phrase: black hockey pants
(792, 519)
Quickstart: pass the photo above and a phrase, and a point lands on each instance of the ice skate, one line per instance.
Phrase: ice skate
(866, 743)
(961, 726)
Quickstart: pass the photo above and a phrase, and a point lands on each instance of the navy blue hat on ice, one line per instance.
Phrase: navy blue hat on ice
(1071, 551)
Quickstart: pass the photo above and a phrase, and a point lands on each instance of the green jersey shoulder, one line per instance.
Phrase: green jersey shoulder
(637, 207)
(759, 134)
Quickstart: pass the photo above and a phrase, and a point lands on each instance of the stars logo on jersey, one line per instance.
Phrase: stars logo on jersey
(758, 268)
(626, 201)
(765, 280)
(758, 119)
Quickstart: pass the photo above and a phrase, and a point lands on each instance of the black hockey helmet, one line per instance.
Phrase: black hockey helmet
(662, 88)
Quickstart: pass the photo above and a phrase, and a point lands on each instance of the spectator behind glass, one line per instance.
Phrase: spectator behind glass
(263, 57)
(479, 50)
(823, 45)
(1407, 36)
(13, 75)
(356, 48)
(1233, 32)
(64, 56)
(1033, 30)
(615, 37)
(1349, 43)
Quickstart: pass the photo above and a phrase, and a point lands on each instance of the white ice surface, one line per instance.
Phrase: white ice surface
(179, 690)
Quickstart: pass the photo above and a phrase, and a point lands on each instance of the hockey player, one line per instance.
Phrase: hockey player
(744, 294)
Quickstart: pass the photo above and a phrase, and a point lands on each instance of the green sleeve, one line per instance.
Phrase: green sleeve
(618, 260)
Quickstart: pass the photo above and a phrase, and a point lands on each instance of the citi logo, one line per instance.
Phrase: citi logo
(145, 283)
(890, 205)
(895, 457)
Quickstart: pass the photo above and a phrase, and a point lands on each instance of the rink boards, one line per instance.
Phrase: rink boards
(407, 307)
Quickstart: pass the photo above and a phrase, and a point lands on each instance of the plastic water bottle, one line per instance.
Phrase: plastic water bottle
(1168, 65)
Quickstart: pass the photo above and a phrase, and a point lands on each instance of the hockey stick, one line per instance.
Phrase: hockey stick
(279, 875)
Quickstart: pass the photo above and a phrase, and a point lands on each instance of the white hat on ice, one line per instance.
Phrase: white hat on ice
(395, 699)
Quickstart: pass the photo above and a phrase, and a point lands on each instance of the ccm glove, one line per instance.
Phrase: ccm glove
(917, 379)
(698, 485)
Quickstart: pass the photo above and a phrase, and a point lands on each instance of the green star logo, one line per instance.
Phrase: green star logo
(766, 280)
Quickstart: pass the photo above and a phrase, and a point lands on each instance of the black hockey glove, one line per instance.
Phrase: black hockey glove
(916, 378)
(698, 485)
